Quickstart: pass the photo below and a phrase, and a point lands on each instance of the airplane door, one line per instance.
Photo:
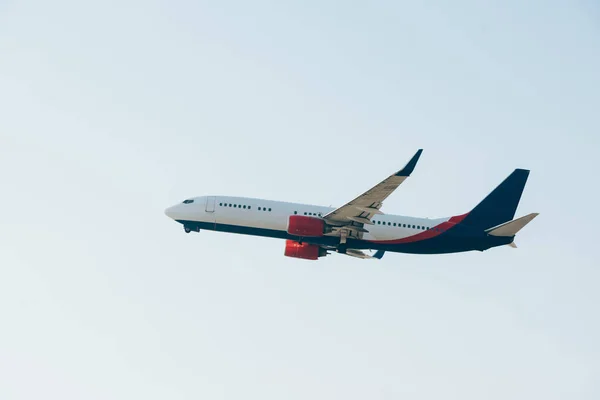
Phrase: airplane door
(210, 204)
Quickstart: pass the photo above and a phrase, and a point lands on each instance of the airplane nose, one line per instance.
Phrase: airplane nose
(169, 212)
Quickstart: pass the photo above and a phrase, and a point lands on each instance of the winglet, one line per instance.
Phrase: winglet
(408, 169)
(378, 254)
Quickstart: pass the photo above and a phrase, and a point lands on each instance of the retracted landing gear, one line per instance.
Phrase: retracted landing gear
(343, 236)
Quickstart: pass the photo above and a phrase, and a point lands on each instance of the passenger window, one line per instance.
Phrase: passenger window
(244, 207)
(249, 207)
(220, 204)
(295, 212)
(269, 208)
(389, 223)
(304, 213)
(258, 208)
(394, 224)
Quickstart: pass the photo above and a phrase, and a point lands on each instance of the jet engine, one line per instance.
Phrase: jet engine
(303, 250)
(300, 225)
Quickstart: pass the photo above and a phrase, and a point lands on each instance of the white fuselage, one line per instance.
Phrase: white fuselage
(274, 216)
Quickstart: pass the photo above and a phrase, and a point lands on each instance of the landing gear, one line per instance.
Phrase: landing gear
(186, 229)
(342, 248)
(343, 236)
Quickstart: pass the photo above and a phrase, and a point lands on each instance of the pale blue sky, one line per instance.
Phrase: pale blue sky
(112, 111)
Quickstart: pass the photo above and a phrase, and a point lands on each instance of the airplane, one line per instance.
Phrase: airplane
(312, 231)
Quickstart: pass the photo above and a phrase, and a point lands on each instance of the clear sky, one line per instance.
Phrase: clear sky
(111, 111)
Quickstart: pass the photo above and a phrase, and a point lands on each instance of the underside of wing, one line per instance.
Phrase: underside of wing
(361, 254)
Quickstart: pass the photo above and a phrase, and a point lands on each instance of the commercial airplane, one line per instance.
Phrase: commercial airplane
(313, 231)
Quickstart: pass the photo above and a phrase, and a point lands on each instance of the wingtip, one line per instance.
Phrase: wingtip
(410, 166)
(524, 173)
(379, 254)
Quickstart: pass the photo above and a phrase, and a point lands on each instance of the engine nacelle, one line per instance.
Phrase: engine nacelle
(301, 225)
(303, 250)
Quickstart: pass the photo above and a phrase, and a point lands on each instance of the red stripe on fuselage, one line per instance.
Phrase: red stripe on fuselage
(428, 234)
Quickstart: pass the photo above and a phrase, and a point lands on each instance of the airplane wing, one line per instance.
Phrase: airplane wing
(352, 216)
(360, 254)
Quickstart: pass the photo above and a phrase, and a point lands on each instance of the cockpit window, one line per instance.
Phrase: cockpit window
(188, 201)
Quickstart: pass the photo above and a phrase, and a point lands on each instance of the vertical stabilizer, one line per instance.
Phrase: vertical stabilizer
(501, 204)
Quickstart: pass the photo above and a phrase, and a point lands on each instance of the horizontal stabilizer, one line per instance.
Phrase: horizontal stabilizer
(511, 228)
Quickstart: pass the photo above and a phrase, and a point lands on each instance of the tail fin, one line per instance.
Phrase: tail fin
(512, 227)
(501, 204)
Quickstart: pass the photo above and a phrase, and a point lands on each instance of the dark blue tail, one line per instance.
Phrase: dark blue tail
(500, 205)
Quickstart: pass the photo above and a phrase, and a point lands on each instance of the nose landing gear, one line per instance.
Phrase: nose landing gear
(187, 229)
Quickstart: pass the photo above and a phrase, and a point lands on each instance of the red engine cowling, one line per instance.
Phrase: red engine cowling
(305, 226)
(303, 250)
